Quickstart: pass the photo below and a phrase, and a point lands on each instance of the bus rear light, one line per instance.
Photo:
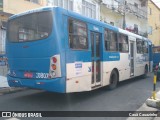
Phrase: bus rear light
(54, 60)
(54, 67)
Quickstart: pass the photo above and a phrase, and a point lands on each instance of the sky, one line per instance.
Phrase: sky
(157, 2)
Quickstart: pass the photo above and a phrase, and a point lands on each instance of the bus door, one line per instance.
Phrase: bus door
(132, 47)
(96, 63)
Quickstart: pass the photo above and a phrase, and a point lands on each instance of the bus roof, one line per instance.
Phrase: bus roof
(31, 11)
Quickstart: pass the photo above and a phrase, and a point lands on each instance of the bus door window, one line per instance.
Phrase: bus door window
(97, 45)
(92, 44)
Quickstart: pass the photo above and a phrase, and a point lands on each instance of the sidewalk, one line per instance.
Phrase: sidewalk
(4, 87)
(144, 107)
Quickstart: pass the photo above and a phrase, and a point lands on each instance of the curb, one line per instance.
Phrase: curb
(144, 107)
(10, 90)
(153, 103)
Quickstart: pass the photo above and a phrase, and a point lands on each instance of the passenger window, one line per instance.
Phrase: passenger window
(110, 40)
(139, 46)
(123, 43)
(78, 35)
(145, 47)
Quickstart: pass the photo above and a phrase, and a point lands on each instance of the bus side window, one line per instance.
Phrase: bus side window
(123, 43)
(110, 40)
(145, 47)
(139, 46)
(78, 35)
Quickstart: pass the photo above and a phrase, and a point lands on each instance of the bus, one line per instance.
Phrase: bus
(57, 50)
(156, 55)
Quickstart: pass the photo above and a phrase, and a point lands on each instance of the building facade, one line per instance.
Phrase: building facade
(154, 23)
(89, 8)
(127, 14)
(8, 8)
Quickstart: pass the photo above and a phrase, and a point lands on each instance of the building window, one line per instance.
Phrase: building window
(143, 3)
(88, 9)
(150, 11)
(78, 35)
(112, 23)
(135, 28)
(123, 43)
(34, 1)
(66, 4)
(136, 5)
(4, 25)
(110, 38)
(1, 5)
(150, 30)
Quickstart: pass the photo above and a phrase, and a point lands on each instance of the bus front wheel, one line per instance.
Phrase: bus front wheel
(113, 80)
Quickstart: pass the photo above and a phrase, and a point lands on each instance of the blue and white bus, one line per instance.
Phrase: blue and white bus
(61, 51)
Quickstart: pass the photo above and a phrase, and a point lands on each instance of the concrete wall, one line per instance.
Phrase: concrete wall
(154, 21)
(17, 6)
(14, 7)
(110, 15)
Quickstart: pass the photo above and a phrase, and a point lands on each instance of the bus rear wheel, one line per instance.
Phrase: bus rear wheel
(113, 80)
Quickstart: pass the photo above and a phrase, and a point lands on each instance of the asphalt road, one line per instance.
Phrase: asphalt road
(129, 96)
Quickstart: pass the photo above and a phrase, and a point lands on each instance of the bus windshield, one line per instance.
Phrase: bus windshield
(30, 27)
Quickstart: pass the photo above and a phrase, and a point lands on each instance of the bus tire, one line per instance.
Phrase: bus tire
(113, 80)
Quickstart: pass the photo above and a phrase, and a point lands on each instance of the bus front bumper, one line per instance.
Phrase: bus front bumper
(53, 85)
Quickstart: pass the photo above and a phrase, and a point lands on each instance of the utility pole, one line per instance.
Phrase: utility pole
(124, 15)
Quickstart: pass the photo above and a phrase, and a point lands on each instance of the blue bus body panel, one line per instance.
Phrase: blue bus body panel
(35, 57)
(156, 59)
(53, 85)
(150, 53)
